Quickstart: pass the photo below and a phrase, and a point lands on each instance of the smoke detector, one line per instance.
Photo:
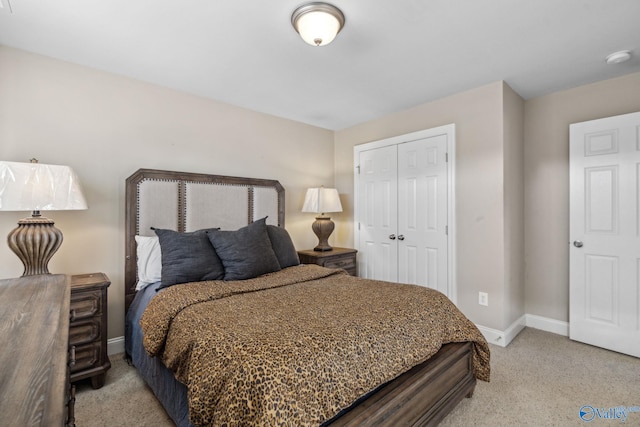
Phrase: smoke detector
(618, 57)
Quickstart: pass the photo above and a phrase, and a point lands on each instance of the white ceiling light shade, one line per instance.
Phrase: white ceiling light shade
(317, 23)
(618, 57)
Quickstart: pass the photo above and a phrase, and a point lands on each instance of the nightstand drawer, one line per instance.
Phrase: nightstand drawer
(84, 331)
(85, 305)
(87, 356)
(340, 263)
(344, 258)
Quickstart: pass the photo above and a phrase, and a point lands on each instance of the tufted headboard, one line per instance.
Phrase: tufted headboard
(185, 201)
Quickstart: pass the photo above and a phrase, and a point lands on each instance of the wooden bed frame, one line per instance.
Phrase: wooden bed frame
(422, 396)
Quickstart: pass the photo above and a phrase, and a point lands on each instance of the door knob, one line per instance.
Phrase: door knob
(401, 237)
(392, 236)
(577, 243)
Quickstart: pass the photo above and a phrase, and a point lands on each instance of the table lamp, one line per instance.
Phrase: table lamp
(37, 187)
(322, 200)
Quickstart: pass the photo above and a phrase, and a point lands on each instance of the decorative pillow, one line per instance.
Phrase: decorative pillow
(149, 261)
(188, 257)
(283, 246)
(246, 252)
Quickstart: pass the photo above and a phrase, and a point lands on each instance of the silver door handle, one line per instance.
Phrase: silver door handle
(401, 237)
(577, 243)
(392, 236)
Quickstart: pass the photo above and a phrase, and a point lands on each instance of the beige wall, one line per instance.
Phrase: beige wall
(513, 127)
(478, 116)
(106, 127)
(546, 169)
(516, 160)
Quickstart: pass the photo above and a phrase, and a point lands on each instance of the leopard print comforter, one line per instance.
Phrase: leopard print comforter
(295, 347)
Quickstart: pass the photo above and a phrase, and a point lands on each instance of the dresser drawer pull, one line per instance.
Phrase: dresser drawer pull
(72, 356)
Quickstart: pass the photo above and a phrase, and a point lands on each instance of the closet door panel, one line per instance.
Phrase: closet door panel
(378, 217)
(422, 212)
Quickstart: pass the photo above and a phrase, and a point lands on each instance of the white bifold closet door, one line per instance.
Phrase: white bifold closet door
(402, 209)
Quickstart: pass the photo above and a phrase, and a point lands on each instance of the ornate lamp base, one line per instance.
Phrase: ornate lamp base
(323, 227)
(35, 240)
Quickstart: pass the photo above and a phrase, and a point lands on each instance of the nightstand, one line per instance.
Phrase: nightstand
(88, 328)
(337, 258)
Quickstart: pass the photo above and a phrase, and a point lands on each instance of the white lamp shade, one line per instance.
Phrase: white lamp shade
(322, 200)
(318, 28)
(39, 187)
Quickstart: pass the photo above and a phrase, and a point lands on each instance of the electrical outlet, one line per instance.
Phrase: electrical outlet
(483, 298)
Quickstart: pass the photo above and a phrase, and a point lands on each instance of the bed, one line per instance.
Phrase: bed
(288, 346)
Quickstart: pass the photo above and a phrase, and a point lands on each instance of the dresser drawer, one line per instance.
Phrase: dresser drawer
(84, 331)
(85, 305)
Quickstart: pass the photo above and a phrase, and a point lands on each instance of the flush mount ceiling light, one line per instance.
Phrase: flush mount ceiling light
(317, 23)
(618, 57)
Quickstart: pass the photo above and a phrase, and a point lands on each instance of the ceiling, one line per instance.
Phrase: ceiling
(391, 54)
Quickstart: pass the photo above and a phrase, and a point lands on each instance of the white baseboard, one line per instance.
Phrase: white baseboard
(493, 336)
(550, 325)
(513, 330)
(503, 338)
(115, 345)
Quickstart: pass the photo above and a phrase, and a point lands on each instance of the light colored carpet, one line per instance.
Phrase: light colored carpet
(540, 379)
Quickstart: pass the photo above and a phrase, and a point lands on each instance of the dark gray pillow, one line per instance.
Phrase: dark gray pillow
(187, 257)
(283, 246)
(245, 253)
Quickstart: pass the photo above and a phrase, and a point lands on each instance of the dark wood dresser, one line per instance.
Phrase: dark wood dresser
(88, 328)
(34, 331)
(337, 258)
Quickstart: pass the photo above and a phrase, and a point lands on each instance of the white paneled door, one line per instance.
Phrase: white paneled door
(402, 212)
(605, 233)
(422, 212)
(378, 214)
